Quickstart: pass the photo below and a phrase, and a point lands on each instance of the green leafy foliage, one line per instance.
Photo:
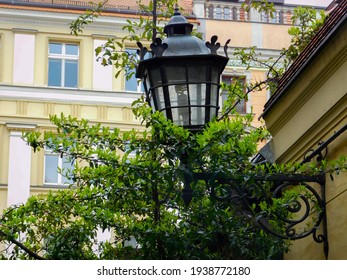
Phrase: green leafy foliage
(262, 6)
(113, 52)
(130, 183)
(306, 23)
(76, 27)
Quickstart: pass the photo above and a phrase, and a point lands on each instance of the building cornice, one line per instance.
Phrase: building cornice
(61, 20)
(60, 95)
(20, 127)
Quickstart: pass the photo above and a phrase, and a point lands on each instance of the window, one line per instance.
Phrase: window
(63, 65)
(239, 83)
(132, 151)
(133, 84)
(218, 13)
(274, 18)
(53, 162)
(226, 13)
(264, 17)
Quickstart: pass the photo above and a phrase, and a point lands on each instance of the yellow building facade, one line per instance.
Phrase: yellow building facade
(309, 110)
(46, 71)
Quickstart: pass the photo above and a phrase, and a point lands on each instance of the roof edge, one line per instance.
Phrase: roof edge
(311, 51)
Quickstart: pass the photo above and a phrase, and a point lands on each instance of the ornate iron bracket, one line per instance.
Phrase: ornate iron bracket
(305, 214)
(308, 208)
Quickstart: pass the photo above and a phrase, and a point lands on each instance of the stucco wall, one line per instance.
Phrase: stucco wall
(311, 109)
(247, 34)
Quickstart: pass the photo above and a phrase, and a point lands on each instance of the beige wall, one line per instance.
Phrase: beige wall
(336, 198)
(311, 110)
(32, 103)
(258, 98)
(275, 36)
(247, 34)
(240, 33)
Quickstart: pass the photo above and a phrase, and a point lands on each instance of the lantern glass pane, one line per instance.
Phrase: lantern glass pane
(179, 104)
(180, 116)
(215, 74)
(156, 77)
(197, 73)
(197, 100)
(175, 74)
(214, 95)
(173, 96)
(213, 113)
(198, 116)
(151, 101)
(146, 84)
(197, 93)
(159, 96)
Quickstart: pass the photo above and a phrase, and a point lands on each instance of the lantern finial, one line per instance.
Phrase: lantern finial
(178, 25)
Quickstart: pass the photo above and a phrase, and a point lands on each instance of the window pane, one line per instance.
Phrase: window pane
(131, 84)
(51, 169)
(238, 89)
(55, 48)
(241, 107)
(71, 67)
(54, 72)
(71, 49)
(66, 166)
(226, 13)
(218, 13)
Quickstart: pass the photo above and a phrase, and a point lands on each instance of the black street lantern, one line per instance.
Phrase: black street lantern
(182, 77)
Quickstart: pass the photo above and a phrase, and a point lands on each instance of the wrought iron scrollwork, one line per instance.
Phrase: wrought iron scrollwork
(299, 216)
(307, 208)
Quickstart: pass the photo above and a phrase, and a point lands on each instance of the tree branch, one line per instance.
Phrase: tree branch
(22, 246)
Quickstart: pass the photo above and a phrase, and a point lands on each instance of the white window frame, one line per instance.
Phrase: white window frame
(63, 56)
(60, 176)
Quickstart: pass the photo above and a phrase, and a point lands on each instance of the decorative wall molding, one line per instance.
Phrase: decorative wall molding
(20, 127)
(67, 96)
(56, 20)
